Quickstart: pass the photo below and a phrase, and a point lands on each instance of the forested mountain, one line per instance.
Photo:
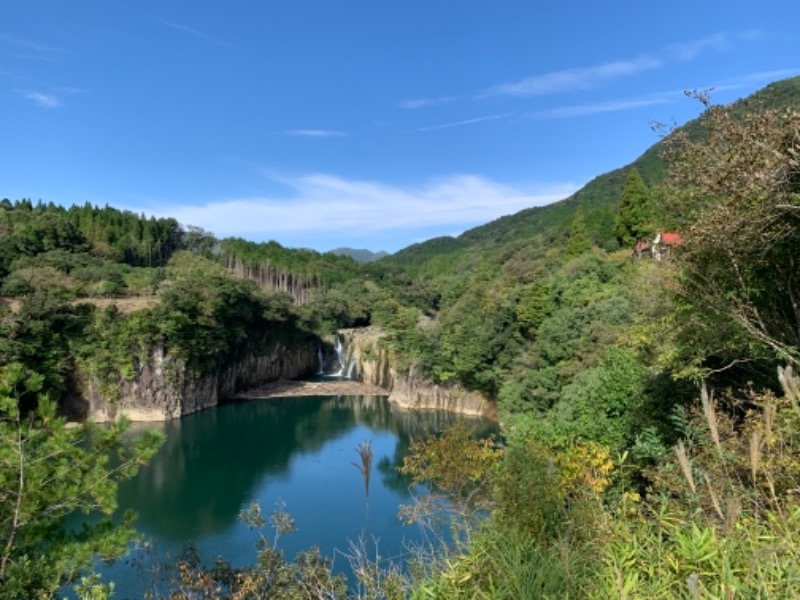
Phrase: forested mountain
(598, 199)
(360, 255)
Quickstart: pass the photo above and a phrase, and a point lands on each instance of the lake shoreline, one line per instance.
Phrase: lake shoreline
(294, 388)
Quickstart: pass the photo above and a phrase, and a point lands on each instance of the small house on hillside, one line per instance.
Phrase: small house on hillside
(664, 243)
(660, 247)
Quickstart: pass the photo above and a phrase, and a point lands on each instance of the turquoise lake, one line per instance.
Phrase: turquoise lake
(297, 451)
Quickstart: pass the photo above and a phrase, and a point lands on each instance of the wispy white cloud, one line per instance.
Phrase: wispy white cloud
(564, 112)
(570, 80)
(40, 98)
(24, 44)
(687, 51)
(466, 122)
(12, 75)
(427, 102)
(355, 208)
(206, 37)
(585, 78)
(751, 79)
(71, 90)
(742, 82)
(316, 133)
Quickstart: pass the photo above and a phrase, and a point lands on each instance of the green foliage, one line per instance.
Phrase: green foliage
(457, 465)
(208, 317)
(635, 215)
(478, 340)
(720, 519)
(417, 254)
(108, 350)
(585, 310)
(603, 404)
(40, 334)
(739, 187)
(540, 540)
(292, 270)
(725, 498)
(107, 232)
(349, 304)
(578, 242)
(50, 475)
(123, 236)
(505, 565)
(531, 305)
(307, 577)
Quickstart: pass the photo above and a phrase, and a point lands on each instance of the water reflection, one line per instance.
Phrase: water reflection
(215, 462)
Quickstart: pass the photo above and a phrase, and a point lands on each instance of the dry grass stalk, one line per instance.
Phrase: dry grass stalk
(791, 386)
(364, 450)
(733, 507)
(714, 498)
(693, 583)
(770, 411)
(711, 418)
(773, 496)
(755, 454)
(686, 467)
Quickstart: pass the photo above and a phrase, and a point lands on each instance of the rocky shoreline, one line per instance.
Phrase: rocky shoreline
(294, 388)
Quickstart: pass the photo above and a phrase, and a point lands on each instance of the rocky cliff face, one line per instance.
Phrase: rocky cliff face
(373, 365)
(414, 392)
(162, 387)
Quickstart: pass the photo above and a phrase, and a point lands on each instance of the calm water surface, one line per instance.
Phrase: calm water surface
(299, 451)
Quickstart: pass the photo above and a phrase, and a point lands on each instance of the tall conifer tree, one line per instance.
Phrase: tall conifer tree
(635, 212)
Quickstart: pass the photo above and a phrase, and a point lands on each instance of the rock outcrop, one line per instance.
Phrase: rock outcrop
(163, 388)
(413, 392)
(373, 365)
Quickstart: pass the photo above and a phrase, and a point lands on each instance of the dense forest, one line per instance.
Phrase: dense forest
(650, 408)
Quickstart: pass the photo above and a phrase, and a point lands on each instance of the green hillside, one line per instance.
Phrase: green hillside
(602, 193)
(599, 198)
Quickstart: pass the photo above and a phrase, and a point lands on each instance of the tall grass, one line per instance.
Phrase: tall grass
(364, 450)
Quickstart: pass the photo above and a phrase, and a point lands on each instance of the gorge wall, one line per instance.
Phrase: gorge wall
(373, 365)
(164, 388)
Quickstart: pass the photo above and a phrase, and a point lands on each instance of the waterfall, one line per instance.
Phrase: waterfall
(344, 368)
(339, 356)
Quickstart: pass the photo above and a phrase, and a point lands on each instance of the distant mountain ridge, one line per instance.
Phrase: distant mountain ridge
(598, 199)
(359, 254)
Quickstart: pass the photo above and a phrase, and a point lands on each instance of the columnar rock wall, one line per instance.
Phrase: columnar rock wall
(414, 392)
(163, 388)
(407, 390)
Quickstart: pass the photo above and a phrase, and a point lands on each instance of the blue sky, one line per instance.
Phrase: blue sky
(369, 124)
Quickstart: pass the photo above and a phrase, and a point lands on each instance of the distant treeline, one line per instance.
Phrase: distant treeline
(86, 242)
(28, 229)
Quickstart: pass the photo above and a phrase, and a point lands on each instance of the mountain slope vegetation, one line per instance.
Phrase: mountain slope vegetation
(598, 199)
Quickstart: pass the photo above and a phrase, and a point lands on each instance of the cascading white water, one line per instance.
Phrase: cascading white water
(345, 368)
(339, 356)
